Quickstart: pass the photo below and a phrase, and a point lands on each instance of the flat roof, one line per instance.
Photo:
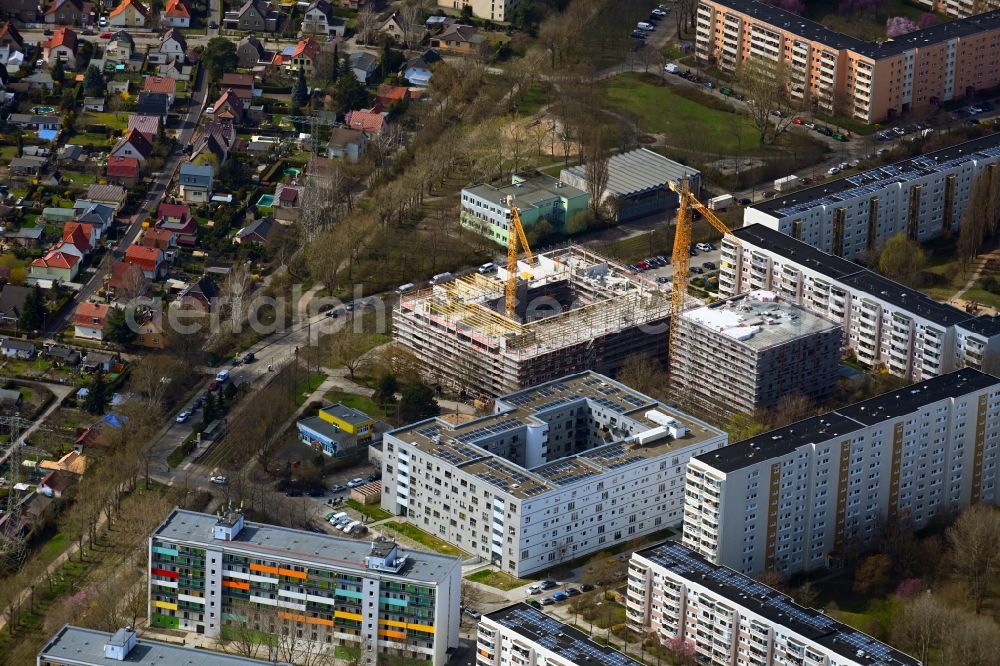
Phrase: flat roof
(869, 182)
(324, 428)
(347, 414)
(565, 640)
(759, 319)
(527, 193)
(851, 274)
(817, 32)
(457, 443)
(307, 548)
(638, 171)
(843, 421)
(77, 646)
(776, 607)
(983, 325)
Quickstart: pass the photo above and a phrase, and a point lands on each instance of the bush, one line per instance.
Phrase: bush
(991, 283)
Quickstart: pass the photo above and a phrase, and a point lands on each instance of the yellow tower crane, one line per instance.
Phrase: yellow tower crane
(681, 258)
(515, 234)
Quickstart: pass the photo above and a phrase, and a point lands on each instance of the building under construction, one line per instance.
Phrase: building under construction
(575, 311)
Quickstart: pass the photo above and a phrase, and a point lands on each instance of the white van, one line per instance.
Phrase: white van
(222, 377)
(488, 267)
(646, 26)
(403, 288)
(337, 517)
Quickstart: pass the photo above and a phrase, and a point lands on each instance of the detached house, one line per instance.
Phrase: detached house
(150, 259)
(229, 106)
(65, 12)
(133, 144)
(253, 16)
(200, 295)
(89, 320)
(287, 202)
(366, 121)
(177, 218)
(153, 104)
(347, 143)
(460, 39)
(99, 215)
(177, 14)
(303, 55)
(196, 182)
(123, 171)
(25, 10)
(57, 265)
(363, 65)
(319, 19)
(173, 46)
(241, 84)
(150, 333)
(257, 232)
(12, 300)
(61, 46)
(9, 36)
(160, 84)
(79, 235)
(128, 14)
(148, 126)
(251, 52)
(120, 48)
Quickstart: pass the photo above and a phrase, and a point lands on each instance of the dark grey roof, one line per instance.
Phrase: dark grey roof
(983, 325)
(782, 441)
(767, 238)
(153, 103)
(858, 647)
(571, 644)
(12, 299)
(324, 428)
(910, 300)
(875, 50)
(849, 187)
(261, 227)
(18, 345)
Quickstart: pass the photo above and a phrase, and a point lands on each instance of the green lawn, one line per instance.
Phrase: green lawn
(89, 139)
(684, 122)
(533, 100)
(305, 388)
(355, 401)
(372, 511)
(118, 121)
(497, 579)
(425, 539)
(53, 547)
(983, 297)
(7, 153)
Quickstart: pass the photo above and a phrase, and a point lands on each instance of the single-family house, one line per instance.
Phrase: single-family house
(251, 52)
(395, 29)
(120, 47)
(241, 84)
(177, 14)
(12, 300)
(71, 153)
(25, 236)
(133, 144)
(387, 95)
(126, 281)
(288, 202)
(61, 46)
(151, 260)
(109, 195)
(229, 106)
(196, 182)
(39, 81)
(93, 104)
(147, 126)
(173, 46)
(58, 264)
(151, 333)
(96, 361)
(23, 10)
(34, 121)
(363, 65)
(209, 144)
(458, 39)
(178, 70)
(9, 36)
(128, 14)
(65, 12)
(162, 239)
(368, 122)
(347, 143)
(200, 295)
(123, 171)
(253, 16)
(177, 218)
(302, 55)
(19, 349)
(99, 215)
(63, 356)
(319, 19)
(153, 104)
(80, 235)
(89, 320)
(27, 166)
(257, 232)
(56, 484)
(160, 84)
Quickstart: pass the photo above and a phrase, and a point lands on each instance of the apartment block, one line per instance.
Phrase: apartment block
(870, 81)
(885, 324)
(76, 646)
(958, 8)
(521, 635)
(746, 352)
(813, 493)
(731, 619)
(853, 217)
(218, 575)
(536, 197)
(558, 471)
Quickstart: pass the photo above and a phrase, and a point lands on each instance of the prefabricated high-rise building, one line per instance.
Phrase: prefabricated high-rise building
(576, 311)
(746, 352)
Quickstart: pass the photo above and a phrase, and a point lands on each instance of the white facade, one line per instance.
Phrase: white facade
(807, 495)
(885, 324)
(731, 619)
(494, 10)
(560, 470)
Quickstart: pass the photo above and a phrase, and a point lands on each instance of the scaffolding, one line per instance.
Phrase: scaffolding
(581, 311)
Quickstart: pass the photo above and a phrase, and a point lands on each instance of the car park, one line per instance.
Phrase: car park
(183, 417)
(219, 480)
(355, 482)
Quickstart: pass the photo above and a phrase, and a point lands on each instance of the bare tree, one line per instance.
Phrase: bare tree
(921, 626)
(971, 641)
(645, 374)
(980, 216)
(410, 14)
(365, 22)
(134, 285)
(974, 554)
(154, 378)
(236, 292)
(764, 84)
(595, 155)
(347, 349)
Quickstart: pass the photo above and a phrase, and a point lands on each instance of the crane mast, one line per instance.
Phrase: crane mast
(514, 234)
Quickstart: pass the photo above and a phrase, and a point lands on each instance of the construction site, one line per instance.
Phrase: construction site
(574, 310)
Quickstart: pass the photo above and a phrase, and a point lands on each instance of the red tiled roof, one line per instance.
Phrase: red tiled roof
(138, 141)
(123, 167)
(233, 100)
(79, 235)
(125, 4)
(177, 9)
(392, 93)
(365, 121)
(63, 37)
(173, 210)
(8, 30)
(56, 258)
(160, 84)
(154, 237)
(86, 313)
(144, 257)
(234, 81)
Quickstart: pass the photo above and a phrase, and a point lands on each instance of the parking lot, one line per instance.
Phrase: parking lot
(663, 274)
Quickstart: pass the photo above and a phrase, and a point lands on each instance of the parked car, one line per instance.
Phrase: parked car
(213, 25)
(670, 68)
(560, 596)
(374, 476)
(315, 492)
(548, 584)
(249, 358)
(183, 417)
(704, 247)
(219, 480)
(222, 376)
(473, 613)
(572, 591)
(694, 252)
(709, 265)
(663, 279)
(587, 587)
(638, 34)
(337, 488)
(293, 492)
(797, 121)
(355, 482)
(213, 386)
(745, 201)
(642, 25)
(548, 601)
(833, 171)
(696, 269)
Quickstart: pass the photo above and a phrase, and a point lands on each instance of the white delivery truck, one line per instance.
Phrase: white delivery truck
(786, 183)
(721, 202)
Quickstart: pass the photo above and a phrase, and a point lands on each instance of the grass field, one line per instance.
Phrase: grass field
(306, 387)
(425, 539)
(497, 579)
(684, 122)
(371, 510)
(355, 401)
(607, 34)
(118, 121)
